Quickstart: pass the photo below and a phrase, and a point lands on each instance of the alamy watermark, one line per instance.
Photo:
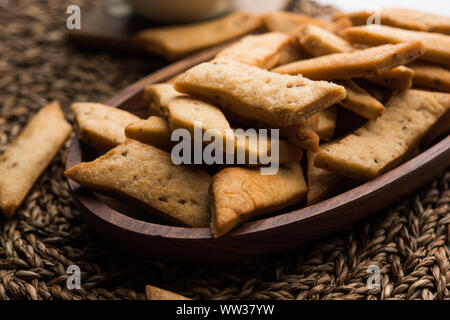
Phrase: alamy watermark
(374, 20)
(73, 21)
(74, 279)
(236, 147)
(374, 280)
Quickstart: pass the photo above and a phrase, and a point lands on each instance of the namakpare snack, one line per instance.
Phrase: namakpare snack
(362, 63)
(437, 45)
(29, 154)
(382, 144)
(265, 51)
(259, 94)
(178, 41)
(402, 18)
(100, 126)
(243, 193)
(147, 175)
(154, 130)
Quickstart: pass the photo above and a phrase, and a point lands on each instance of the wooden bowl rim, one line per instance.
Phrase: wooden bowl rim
(94, 205)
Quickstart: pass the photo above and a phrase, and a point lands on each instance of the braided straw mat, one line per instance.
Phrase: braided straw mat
(408, 242)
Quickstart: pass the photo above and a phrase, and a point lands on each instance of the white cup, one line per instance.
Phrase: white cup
(179, 11)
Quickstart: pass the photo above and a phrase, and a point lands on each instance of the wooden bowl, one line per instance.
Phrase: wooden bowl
(128, 228)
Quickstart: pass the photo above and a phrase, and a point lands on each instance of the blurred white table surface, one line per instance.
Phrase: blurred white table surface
(441, 7)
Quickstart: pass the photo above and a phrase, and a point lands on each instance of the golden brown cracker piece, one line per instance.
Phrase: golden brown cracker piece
(279, 100)
(400, 77)
(360, 101)
(437, 45)
(264, 50)
(440, 128)
(240, 194)
(187, 112)
(178, 41)
(302, 135)
(291, 23)
(155, 293)
(381, 145)
(100, 126)
(29, 154)
(363, 63)
(431, 76)
(154, 131)
(402, 18)
(340, 25)
(249, 145)
(322, 184)
(159, 95)
(319, 42)
(327, 124)
(147, 175)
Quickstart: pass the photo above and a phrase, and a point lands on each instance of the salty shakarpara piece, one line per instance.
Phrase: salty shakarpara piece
(383, 144)
(251, 92)
(431, 76)
(29, 154)
(154, 131)
(327, 124)
(158, 96)
(265, 50)
(437, 45)
(360, 101)
(363, 63)
(319, 42)
(240, 194)
(178, 41)
(402, 18)
(100, 126)
(147, 175)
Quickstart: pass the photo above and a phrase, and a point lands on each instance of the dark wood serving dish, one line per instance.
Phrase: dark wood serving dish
(130, 229)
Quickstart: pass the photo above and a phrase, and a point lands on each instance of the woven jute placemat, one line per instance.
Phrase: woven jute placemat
(408, 242)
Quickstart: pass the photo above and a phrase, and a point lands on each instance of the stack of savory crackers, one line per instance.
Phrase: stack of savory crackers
(339, 90)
